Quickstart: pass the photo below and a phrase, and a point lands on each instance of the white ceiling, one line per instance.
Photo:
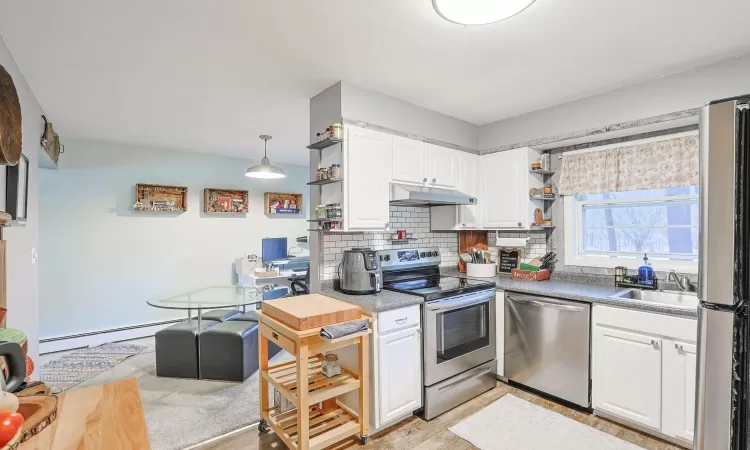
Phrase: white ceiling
(210, 76)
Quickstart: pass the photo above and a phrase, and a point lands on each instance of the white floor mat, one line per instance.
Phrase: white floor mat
(514, 424)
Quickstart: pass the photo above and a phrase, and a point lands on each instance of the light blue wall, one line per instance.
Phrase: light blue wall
(22, 274)
(101, 261)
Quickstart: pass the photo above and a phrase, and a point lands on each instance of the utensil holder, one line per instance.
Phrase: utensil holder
(488, 270)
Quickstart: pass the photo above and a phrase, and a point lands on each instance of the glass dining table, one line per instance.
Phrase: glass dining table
(219, 297)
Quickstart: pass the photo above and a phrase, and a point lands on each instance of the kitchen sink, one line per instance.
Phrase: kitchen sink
(672, 298)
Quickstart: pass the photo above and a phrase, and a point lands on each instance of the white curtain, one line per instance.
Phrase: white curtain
(655, 165)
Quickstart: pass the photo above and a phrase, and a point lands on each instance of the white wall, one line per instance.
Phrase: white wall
(686, 90)
(101, 261)
(22, 287)
(390, 112)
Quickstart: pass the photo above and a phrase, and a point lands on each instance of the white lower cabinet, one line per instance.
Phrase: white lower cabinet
(395, 367)
(643, 370)
(678, 415)
(400, 374)
(628, 375)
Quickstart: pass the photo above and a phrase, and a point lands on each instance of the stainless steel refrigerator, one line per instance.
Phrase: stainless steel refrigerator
(724, 276)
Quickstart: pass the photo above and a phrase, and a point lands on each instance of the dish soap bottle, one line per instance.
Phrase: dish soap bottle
(646, 272)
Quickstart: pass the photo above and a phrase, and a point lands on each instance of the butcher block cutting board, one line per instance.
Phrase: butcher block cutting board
(310, 311)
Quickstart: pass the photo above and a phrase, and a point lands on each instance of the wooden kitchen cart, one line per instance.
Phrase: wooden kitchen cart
(319, 420)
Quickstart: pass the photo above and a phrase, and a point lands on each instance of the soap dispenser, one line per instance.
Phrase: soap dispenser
(646, 272)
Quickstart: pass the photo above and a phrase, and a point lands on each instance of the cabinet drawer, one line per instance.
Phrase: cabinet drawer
(398, 319)
(680, 328)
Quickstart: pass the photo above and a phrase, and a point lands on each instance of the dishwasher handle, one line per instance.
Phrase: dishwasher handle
(546, 303)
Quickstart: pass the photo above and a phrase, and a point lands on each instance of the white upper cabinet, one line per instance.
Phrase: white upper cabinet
(506, 181)
(444, 167)
(411, 160)
(368, 170)
(469, 216)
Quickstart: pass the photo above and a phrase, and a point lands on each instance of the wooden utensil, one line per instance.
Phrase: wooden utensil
(538, 216)
(310, 311)
(468, 240)
(10, 120)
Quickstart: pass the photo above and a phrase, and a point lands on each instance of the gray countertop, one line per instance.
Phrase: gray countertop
(569, 290)
(583, 292)
(382, 301)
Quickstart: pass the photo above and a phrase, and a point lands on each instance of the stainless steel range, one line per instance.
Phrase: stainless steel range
(458, 316)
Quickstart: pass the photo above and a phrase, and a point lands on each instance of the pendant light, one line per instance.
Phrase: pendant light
(479, 12)
(265, 169)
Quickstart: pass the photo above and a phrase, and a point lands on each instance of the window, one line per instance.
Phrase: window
(617, 228)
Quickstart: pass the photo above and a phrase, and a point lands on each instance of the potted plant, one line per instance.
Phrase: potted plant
(547, 222)
(548, 189)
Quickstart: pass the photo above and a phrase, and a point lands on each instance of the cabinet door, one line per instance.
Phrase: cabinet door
(444, 166)
(627, 375)
(368, 173)
(502, 196)
(679, 360)
(399, 373)
(469, 216)
(410, 160)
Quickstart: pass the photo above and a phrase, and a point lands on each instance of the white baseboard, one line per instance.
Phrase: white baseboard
(101, 337)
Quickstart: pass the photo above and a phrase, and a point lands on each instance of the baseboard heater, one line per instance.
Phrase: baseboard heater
(112, 330)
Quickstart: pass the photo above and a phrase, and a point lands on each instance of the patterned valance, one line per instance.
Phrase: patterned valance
(655, 165)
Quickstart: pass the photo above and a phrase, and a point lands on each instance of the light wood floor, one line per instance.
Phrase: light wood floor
(417, 434)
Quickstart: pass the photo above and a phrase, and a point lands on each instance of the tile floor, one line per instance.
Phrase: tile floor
(416, 434)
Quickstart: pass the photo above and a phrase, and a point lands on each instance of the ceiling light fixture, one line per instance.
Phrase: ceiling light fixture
(479, 12)
(265, 169)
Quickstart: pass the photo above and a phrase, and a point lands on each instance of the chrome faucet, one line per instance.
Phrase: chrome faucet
(682, 281)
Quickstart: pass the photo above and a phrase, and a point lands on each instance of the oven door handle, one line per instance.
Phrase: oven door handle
(460, 302)
(544, 303)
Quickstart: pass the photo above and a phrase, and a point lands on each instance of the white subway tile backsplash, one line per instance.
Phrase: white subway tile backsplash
(416, 222)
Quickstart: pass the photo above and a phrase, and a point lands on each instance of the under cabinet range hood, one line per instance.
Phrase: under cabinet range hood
(408, 195)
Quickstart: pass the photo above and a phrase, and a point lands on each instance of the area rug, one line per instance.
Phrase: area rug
(73, 369)
(510, 423)
(184, 412)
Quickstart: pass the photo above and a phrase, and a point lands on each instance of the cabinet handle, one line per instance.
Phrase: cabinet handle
(401, 320)
(655, 343)
(519, 224)
(424, 180)
(679, 347)
(463, 224)
(434, 180)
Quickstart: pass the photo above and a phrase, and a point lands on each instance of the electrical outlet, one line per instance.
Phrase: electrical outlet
(33, 256)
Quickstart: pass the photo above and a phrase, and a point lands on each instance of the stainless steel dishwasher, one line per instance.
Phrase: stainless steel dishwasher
(547, 345)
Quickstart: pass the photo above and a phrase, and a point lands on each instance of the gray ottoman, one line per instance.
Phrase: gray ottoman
(249, 316)
(177, 349)
(221, 315)
(229, 351)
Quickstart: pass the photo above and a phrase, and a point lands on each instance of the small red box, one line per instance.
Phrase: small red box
(528, 275)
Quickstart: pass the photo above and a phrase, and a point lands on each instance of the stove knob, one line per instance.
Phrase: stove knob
(422, 255)
(435, 253)
(387, 257)
(381, 257)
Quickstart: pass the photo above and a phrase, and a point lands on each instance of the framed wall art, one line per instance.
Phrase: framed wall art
(17, 190)
(225, 201)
